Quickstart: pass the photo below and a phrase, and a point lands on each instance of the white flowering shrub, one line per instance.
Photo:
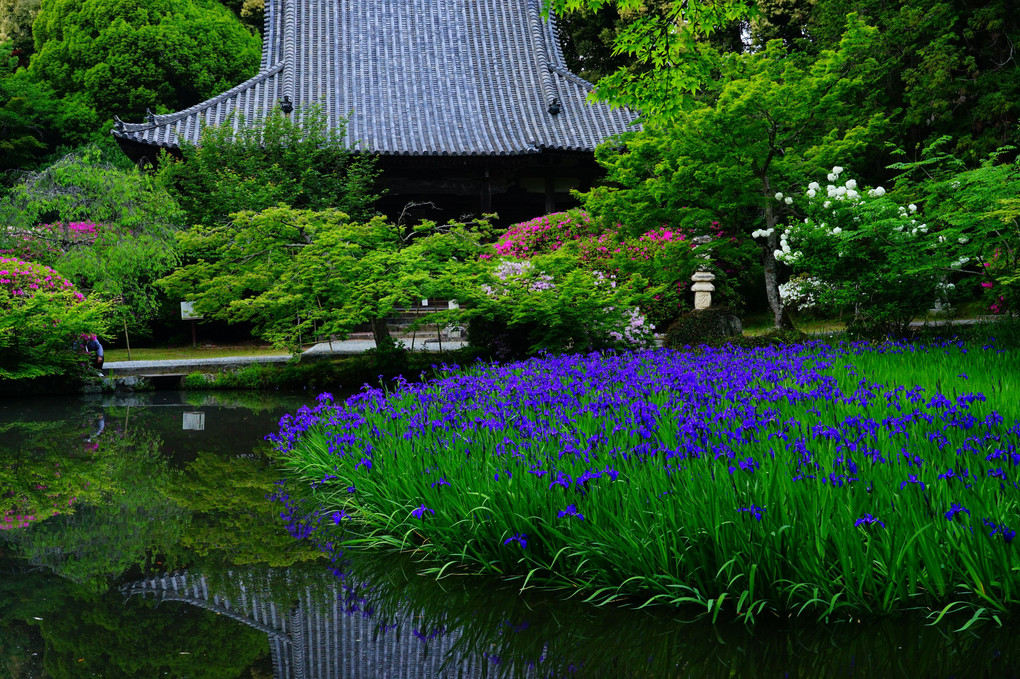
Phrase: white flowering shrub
(857, 254)
(801, 292)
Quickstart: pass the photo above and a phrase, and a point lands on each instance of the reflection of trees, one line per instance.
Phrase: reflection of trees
(61, 622)
(46, 467)
(118, 515)
(24, 596)
(135, 638)
(232, 523)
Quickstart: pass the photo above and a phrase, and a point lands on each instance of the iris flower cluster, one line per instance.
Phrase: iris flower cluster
(756, 449)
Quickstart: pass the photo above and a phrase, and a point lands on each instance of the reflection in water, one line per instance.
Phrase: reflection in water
(309, 640)
(96, 493)
(397, 624)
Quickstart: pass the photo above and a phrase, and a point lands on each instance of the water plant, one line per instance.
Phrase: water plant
(805, 480)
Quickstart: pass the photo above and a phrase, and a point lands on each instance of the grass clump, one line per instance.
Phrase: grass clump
(830, 481)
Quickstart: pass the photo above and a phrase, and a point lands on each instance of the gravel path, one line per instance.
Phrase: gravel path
(188, 365)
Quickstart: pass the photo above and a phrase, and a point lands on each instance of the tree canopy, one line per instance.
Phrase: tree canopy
(297, 160)
(297, 273)
(121, 57)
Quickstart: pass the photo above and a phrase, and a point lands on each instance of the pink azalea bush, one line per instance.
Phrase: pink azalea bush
(48, 241)
(545, 234)
(42, 317)
(26, 279)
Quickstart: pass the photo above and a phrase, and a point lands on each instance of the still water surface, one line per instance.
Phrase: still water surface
(136, 540)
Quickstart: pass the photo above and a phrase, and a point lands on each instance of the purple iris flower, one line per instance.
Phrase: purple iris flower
(571, 510)
(754, 510)
(519, 538)
(867, 520)
(955, 509)
(418, 513)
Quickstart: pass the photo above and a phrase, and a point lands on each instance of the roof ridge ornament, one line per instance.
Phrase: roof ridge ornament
(555, 107)
(538, 40)
(150, 117)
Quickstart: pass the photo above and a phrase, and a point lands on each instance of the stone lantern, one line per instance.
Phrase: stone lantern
(702, 289)
(703, 278)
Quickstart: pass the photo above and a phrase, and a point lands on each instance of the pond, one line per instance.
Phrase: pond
(137, 540)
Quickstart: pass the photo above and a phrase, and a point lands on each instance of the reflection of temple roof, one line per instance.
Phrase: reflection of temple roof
(318, 639)
(416, 78)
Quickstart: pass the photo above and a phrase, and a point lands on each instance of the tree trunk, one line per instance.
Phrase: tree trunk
(780, 318)
(127, 338)
(381, 334)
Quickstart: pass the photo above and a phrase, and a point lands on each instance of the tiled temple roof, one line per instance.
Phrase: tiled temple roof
(415, 77)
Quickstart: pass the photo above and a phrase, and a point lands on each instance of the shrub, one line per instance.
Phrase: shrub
(545, 234)
(665, 257)
(698, 327)
(550, 303)
(859, 255)
(42, 318)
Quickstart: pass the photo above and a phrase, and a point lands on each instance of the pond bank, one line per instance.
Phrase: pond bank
(324, 365)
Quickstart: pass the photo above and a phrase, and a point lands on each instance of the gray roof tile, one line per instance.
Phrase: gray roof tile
(415, 77)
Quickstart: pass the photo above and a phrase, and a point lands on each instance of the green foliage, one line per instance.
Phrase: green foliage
(302, 274)
(552, 303)
(297, 160)
(27, 108)
(588, 37)
(978, 211)
(89, 184)
(769, 119)
(122, 236)
(107, 57)
(667, 42)
(949, 67)
(42, 319)
(698, 327)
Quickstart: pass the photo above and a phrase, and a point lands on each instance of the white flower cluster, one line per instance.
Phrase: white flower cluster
(785, 253)
(841, 200)
(801, 292)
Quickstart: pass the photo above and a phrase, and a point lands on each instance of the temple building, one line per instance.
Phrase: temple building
(466, 103)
